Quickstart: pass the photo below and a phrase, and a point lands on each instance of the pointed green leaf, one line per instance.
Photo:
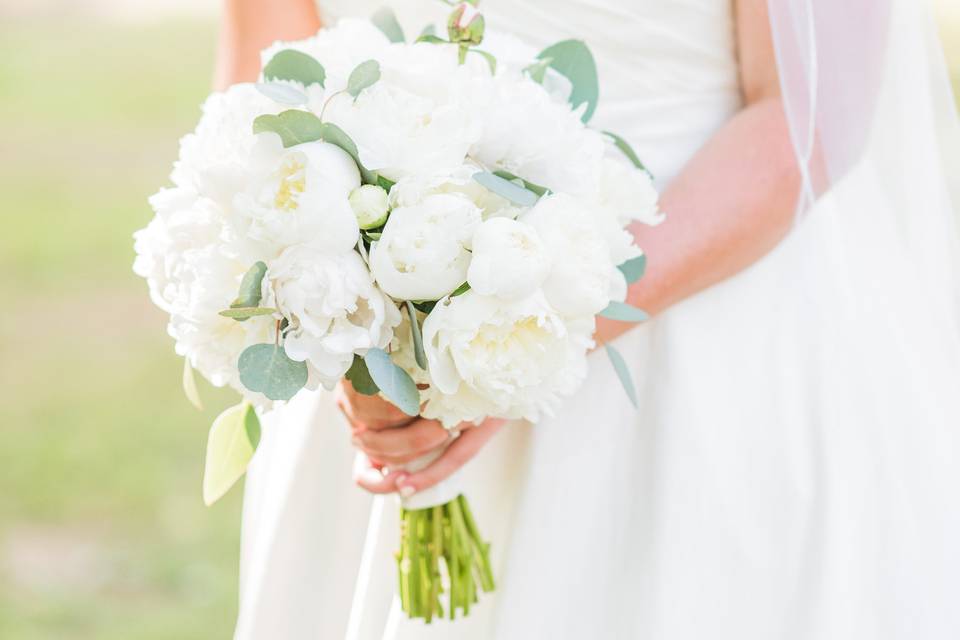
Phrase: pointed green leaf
(395, 383)
(233, 439)
(634, 268)
(290, 64)
(293, 126)
(432, 39)
(538, 70)
(627, 150)
(251, 286)
(386, 20)
(506, 189)
(462, 289)
(266, 368)
(333, 134)
(623, 373)
(190, 385)
(418, 352)
(572, 58)
(529, 186)
(364, 75)
(360, 378)
(624, 312)
(242, 313)
(429, 30)
(489, 57)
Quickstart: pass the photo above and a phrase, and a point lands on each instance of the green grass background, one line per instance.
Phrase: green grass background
(102, 531)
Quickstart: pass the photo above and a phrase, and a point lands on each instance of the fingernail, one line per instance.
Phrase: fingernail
(406, 491)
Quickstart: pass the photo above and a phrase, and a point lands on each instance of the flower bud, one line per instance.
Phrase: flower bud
(369, 204)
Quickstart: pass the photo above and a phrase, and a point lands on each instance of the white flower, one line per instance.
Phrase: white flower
(370, 205)
(512, 360)
(333, 306)
(582, 280)
(412, 189)
(300, 194)
(418, 118)
(509, 260)
(529, 133)
(629, 193)
(423, 252)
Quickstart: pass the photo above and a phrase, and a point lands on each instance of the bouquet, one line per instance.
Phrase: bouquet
(431, 220)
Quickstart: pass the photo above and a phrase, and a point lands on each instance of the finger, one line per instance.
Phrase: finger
(408, 441)
(369, 478)
(457, 454)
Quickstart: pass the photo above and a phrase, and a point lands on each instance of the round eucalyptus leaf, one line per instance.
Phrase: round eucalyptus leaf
(293, 126)
(267, 369)
(395, 383)
(364, 75)
(572, 58)
(290, 64)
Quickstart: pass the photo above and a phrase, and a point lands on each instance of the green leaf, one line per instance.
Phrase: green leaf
(623, 373)
(627, 150)
(242, 313)
(395, 383)
(425, 305)
(529, 186)
(634, 268)
(386, 20)
(282, 93)
(538, 70)
(251, 287)
(418, 352)
(462, 289)
(293, 126)
(385, 183)
(268, 369)
(290, 64)
(333, 134)
(432, 39)
(572, 58)
(506, 189)
(360, 378)
(233, 439)
(364, 75)
(190, 385)
(429, 30)
(624, 312)
(489, 57)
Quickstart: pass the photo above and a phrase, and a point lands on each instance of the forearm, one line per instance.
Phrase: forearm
(731, 205)
(249, 26)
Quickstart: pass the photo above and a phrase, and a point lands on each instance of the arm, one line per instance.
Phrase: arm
(731, 205)
(736, 198)
(249, 26)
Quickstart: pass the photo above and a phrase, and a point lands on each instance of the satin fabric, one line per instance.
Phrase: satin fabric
(791, 470)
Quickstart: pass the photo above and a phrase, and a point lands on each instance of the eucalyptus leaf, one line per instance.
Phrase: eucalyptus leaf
(333, 134)
(529, 186)
(190, 385)
(627, 150)
(623, 373)
(282, 93)
(231, 444)
(293, 126)
(242, 313)
(395, 383)
(290, 64)
(419, 354)
(624, 312)
(506, 189)
(364, 75)
(538, 70)
(360, 378)
(251, 287)
(572, 58)
(489, 57)
(266, 368)
(634, 268)
(386, 20)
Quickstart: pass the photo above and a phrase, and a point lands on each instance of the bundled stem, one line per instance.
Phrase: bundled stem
(449, 533)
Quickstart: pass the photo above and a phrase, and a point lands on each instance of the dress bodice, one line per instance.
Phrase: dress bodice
(668, 69)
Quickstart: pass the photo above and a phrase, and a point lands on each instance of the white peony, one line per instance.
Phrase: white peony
(300, 195)
(513, 360)
(423, 253)
(630, 193)
(582, 280)
(412, 189)
(509, 259)
(333, 307)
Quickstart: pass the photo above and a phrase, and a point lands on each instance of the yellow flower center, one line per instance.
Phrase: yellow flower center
(292, 182)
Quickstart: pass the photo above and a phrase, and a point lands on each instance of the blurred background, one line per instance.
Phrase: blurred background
(102, 530)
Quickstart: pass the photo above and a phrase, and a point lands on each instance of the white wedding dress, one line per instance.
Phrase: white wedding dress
(792, 472)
